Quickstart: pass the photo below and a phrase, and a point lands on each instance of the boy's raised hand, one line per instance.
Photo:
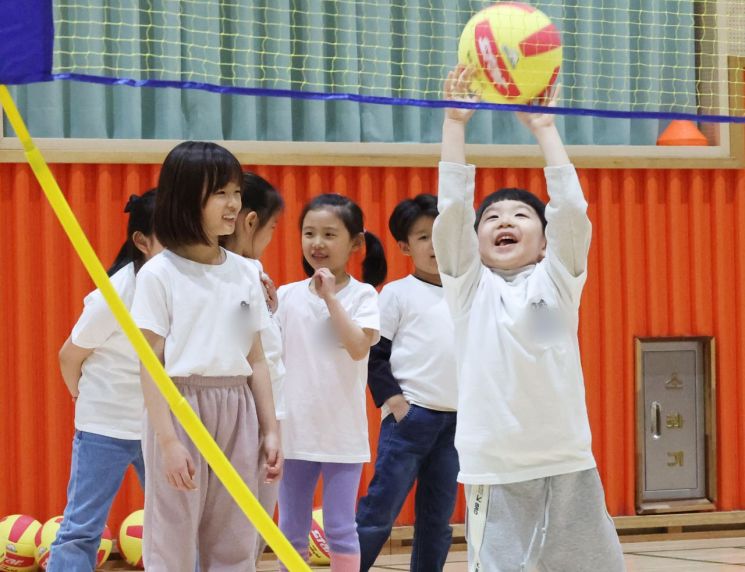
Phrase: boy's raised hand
(543, 128)
(538, 120)
(457, 87)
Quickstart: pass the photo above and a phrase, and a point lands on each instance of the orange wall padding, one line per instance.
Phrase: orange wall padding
(667, 259)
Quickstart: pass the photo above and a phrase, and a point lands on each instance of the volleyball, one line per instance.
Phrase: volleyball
(130, 538)
(319, 548)
(47, 533)
(516, 51)
(44, 538)
(104, 549)
(17, 534)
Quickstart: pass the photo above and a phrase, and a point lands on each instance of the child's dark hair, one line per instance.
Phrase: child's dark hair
(511, 194)
(191, 172)
(259, 196)
(374, 266)
(408, 211)
(140, 209)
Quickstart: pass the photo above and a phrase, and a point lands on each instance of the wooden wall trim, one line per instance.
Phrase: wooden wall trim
(133, 151)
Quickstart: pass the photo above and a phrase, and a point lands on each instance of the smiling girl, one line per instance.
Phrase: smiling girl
(329, 322)
(201, 309)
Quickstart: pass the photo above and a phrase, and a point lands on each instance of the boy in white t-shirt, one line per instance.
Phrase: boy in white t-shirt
(534, 496)
(412, 377)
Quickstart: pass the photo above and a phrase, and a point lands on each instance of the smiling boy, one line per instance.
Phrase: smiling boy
(534, 496)
(411, 376)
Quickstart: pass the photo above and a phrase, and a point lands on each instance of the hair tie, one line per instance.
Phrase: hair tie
(133, 200)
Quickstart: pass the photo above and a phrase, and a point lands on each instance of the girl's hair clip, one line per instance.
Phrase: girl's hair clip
(133, 200)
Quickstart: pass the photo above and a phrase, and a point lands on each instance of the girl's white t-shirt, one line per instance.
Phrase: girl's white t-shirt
(324, 387)
(110, 401)
(271, 340)
(414, 315)
(207, 313)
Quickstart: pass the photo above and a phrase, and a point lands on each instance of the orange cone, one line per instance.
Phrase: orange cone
(682, 132)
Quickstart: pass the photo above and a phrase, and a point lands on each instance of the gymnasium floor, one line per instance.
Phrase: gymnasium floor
(718, 555)
(710, 555)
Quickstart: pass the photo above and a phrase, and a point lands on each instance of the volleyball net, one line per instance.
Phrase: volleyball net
(628, 58)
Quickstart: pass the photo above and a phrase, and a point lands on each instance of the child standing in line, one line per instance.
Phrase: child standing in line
(101, 371)
(534, 496)
(329, 322)
(261, 207)
(201, 309)
(412, 377)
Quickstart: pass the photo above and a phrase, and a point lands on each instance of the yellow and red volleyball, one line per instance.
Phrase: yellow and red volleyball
(104, 549)
(516, 50)
(47, 534)
(17, 536)
(130, 538)
(44, 538)
(319, 548)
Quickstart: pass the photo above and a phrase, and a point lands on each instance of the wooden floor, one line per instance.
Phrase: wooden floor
(706, 555)
(703, 555)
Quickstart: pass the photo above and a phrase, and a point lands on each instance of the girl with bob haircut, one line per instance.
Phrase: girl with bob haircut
(329, 322)
(101, 371)
(201, 309)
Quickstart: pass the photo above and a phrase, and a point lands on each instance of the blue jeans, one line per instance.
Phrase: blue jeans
(96, 473)
(420, 446)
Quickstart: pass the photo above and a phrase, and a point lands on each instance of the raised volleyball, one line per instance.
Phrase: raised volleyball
(516, 50)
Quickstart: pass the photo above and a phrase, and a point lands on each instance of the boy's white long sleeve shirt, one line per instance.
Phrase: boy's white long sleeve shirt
(521, 398)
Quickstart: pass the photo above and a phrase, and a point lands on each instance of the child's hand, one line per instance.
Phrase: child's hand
(274, 458)
(270, 292)
(324, 283)
(543, 128)
(179, 466)
(457, 87)
(399, 406)
(538, 121)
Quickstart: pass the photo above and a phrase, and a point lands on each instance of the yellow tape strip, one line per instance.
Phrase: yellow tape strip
(180, 407)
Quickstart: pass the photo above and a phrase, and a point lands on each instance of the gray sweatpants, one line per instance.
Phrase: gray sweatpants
(179, 525)
(554, 524)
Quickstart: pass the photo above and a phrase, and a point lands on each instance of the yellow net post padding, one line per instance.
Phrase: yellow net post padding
(180, 407)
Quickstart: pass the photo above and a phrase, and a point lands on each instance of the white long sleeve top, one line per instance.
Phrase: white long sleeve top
(521, 398)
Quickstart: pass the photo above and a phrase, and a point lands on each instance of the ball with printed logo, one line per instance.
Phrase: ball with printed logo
(44, 538)
(17, 534)
(319, 548)
(130, 538)
(516, 50)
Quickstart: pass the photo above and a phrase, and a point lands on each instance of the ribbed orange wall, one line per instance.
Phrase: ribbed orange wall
(668, 259)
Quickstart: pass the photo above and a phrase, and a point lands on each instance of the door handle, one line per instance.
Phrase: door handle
(655, 413)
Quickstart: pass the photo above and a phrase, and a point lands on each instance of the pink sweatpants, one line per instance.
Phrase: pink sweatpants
(179, 525)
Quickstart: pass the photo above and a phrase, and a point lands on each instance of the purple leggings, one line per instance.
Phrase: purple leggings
(340, 484)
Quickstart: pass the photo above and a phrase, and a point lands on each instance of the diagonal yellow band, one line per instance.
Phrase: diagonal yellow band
(180, 407)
